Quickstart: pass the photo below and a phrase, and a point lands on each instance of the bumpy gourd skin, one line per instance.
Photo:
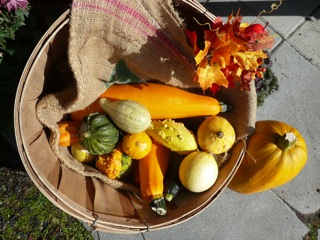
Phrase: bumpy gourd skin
(174, 135)
(114, 164)
(268, 164)
(98, 134)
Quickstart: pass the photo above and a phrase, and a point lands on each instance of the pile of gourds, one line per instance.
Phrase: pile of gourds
(138, 130)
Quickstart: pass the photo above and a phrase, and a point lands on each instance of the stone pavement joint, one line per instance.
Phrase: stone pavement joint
(305, 218)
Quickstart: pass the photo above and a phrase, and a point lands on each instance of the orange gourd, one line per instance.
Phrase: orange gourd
(276, 153)
(162, 101)
(136, 145)
(81, 114)
(69, 131)
(152, 170)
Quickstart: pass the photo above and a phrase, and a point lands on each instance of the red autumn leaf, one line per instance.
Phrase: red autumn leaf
(261, 41)
(246, 78)
(214, 88)
(193, 39)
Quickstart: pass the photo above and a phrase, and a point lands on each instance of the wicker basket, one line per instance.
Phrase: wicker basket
(88, 199)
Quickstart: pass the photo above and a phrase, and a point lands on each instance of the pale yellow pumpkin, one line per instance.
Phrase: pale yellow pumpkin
(216, 135)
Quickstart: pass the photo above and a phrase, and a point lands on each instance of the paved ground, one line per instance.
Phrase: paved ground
(275, 214)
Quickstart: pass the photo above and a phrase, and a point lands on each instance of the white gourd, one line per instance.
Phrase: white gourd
(198, 171)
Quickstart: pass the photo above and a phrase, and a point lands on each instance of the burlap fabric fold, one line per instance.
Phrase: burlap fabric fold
(148, 35)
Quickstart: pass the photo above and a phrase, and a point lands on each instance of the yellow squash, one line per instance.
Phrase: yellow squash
(276, 153)
(152, 169)
(162, 101)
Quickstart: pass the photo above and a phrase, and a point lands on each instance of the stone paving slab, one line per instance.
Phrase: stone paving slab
(236, 216)
(306, 39)
(296, 103)
(233, 216)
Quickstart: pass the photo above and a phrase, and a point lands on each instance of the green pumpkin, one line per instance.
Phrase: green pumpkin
(98, 134)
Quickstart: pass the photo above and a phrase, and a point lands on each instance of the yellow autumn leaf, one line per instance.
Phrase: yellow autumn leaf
(238, 73)
(249, 60)
(209, 74)
(223, 54)
(202, 53)
(244, 25)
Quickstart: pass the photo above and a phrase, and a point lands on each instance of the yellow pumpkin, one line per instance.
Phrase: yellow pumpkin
(276, 153)
(216, 135)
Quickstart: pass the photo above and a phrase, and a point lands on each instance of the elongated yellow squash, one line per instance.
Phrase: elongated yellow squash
(152, 170)
(162, 101)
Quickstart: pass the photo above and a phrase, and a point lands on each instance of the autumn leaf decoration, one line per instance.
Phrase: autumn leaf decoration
(231, 55)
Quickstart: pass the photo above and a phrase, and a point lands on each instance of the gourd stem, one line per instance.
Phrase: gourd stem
(286, 141)
(220, 134)
(173, 190)
(158, 205)
(225, 107)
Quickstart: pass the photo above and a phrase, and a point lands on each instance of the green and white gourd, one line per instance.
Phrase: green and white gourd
(128, 115)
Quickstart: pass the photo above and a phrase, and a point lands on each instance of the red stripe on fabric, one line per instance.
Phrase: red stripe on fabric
(173, 47)
(113, 13)
(132, 12)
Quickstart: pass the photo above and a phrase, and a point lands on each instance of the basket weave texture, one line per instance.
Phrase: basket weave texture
(145, 34)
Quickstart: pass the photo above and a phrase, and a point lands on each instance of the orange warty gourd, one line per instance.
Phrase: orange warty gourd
(162, 101)
(152, 170)
(69, 131)
(276, 153)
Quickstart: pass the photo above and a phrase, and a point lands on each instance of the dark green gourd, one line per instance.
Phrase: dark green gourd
(98, 134)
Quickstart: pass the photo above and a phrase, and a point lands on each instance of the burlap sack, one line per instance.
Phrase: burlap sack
(148, 35)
